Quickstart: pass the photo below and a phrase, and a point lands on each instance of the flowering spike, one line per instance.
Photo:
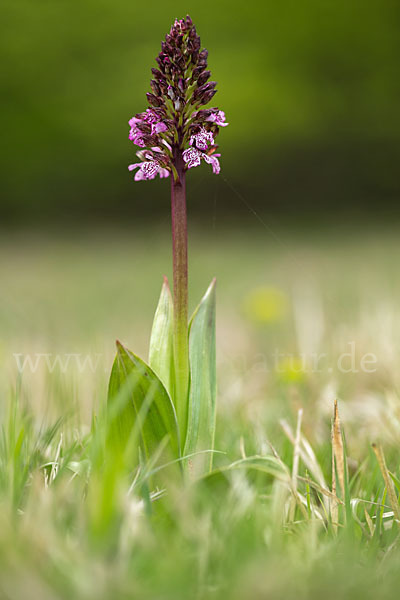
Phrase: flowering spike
(174, 130)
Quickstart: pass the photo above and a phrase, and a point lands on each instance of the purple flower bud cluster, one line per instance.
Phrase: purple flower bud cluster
(175, 126)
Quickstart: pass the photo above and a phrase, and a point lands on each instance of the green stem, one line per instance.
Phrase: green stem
(180, 269)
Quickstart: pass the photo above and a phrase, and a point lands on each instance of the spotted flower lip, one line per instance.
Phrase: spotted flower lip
(148, 170)
(213, 161)
(176, 122)
(193, 157)
(202, 139)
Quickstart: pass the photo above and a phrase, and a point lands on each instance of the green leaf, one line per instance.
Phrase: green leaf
(161, 341)
(203, 384)
(140, 410)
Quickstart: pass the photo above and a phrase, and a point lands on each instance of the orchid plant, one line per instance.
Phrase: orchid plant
(170, 402)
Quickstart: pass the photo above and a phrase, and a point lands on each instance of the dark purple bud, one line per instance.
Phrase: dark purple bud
(171, 92)
(178, 27)
(157, 74)
(181, 84)
(155, 87)
(202, 61)
(168, 49)
(208, 96)
(160, 112)
(204, 89)
(160, 62)
(210, 85)
(189, 21)
(153, 100)
(163, 86)
(201, 115)
(196, 73)
(203, 77)
(176, 54)
(175, 71)
(195, 128)
(180, 62)
(196, 43)
(204, 93)
(164, 63)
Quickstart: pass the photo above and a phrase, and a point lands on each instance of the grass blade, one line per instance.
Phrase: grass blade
(391, 492)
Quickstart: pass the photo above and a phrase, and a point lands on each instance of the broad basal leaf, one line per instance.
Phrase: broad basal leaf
(140, 406)
(161, 341)
(203, 385)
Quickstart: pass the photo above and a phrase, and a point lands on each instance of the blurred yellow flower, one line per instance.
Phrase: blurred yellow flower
(291, 369)
(266, 305)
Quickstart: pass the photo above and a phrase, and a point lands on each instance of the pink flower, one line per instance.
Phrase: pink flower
(192, 158)
(202, 139)
(132, 122)
(153, 119)
(218, 118)
(214, 162)
(148, 170)
(149, 116)
(158, 127)
(153, 124)
(137, 137)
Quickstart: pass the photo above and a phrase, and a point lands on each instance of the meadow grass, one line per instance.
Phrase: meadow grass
(302, 504)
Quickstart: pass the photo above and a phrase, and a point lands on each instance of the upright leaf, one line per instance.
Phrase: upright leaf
(203, 383)
(139, 406)
(161, 341)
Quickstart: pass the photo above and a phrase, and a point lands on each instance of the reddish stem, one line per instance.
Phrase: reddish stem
(180, 272)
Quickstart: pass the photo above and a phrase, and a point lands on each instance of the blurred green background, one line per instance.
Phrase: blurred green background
(311, 90)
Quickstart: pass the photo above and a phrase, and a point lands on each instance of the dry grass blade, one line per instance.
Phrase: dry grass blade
(306, 452)
(370, 524)
(319, 489)
(293, 489)
(337, 466)
(388, 481)
(295, 467)
(334, 503)
(296, 451)
(337, 447)
(307, 456)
